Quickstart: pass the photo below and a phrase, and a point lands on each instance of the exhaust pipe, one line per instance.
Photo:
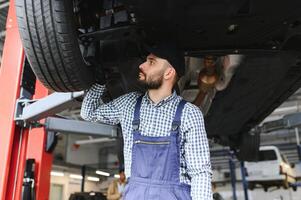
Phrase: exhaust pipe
(207, 79)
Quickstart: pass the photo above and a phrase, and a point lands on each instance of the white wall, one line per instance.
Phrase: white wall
(79, 155)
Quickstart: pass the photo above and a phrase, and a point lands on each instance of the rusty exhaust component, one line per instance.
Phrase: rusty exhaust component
(229, 65)
(207, 79)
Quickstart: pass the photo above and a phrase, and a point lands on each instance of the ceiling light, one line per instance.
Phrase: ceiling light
(102, 173)
(54, 173)
(91, 178)
(75, 176)
(117, 176)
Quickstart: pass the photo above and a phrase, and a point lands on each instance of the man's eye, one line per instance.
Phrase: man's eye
(151, 62)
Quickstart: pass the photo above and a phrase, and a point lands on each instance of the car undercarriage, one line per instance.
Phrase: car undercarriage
(255, 48)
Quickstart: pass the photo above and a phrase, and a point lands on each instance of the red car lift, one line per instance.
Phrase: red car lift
(19, 144)
(26, 138)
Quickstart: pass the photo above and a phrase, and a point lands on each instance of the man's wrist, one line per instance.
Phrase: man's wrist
(96, 87)
(100, 77)
(100, 82)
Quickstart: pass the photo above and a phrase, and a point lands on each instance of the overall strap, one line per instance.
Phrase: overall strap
(136, 121)
(177, 118)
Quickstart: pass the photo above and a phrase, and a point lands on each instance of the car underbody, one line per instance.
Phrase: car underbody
(261, 42)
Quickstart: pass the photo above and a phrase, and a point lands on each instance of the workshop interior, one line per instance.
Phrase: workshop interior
(242, 63)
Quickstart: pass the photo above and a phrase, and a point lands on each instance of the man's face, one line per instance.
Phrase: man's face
(152, 72)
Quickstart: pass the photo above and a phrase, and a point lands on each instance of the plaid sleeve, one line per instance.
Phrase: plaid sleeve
(94, 110)
(197, 154)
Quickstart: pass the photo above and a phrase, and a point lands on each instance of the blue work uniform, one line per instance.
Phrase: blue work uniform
(156, 163)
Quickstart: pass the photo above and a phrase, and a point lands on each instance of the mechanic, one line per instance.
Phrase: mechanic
(116, 187)
(166, 149)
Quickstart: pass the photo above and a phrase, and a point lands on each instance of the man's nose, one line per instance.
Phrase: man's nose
(142, 66)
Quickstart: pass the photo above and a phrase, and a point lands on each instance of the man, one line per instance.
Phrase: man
(216, 195)
(165, 145)
(116, 188)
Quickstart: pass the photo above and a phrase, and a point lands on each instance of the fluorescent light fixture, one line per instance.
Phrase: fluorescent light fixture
(54, 173)
(75, 176)
(116, 176)
(102, 173)
(91, 178)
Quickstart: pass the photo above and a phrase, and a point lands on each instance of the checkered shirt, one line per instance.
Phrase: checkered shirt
(156, 120)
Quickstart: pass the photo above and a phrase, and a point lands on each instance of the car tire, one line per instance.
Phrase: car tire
(265, 188)
(251, 186)
(294, 188)
(51, 44)
(248, 149)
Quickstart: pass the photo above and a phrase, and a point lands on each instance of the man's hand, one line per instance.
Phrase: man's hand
(100, 77)
(99, 74)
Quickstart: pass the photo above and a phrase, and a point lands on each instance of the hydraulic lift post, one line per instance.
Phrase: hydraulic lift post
(17, 144)
(244, 180)
(232, 174)
(10, 75)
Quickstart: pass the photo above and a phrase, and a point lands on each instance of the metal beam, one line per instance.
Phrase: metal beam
(95, 140)
(47, 106)
(292, 120)
(288, 121)
(80, 127)
(4, 5)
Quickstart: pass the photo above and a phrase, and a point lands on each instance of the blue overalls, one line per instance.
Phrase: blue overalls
(156, 163)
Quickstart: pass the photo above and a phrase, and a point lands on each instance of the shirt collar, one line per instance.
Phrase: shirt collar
(163, 101)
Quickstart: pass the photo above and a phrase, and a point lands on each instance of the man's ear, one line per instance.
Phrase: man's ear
(169, 73)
